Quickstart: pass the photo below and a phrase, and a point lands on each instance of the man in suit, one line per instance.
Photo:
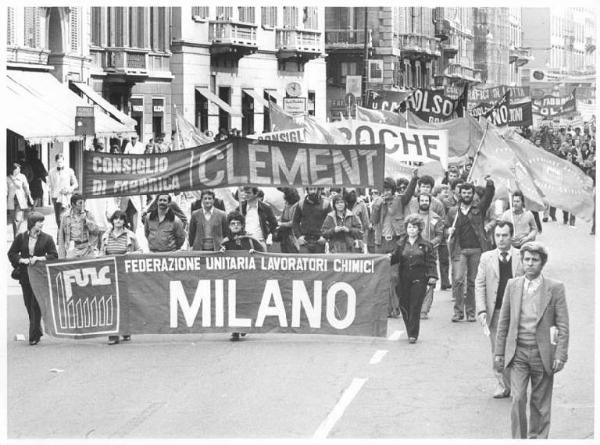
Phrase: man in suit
(496, 267)
(208, 225)
(533, 306)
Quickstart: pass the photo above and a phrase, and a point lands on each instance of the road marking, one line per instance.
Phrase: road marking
(395, 335)
(337, 412)
(378, 356)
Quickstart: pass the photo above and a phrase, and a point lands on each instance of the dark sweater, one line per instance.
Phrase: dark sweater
(505, 275)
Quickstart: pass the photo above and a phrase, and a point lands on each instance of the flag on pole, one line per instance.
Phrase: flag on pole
(563, 184)
(188, 135)
(380, 116)
(282, 120)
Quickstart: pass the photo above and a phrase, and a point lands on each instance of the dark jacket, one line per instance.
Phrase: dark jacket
(426, 262)
(342, 241)
(268, 222)
(398, 210)
(19, 248)
(242, 242)
(309, 217)
(476, 217)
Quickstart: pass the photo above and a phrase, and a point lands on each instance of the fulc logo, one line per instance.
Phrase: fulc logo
(84, 299)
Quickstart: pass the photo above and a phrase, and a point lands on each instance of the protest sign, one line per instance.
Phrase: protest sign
(551, 106)
(402, 144)
(192, 292)
(434, 106)
(386, 100)
(232, 162)
(516, 112)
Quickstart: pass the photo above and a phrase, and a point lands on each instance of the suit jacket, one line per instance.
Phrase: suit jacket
(44, 246)
(215, 228)
(488, 277)
(552, 312)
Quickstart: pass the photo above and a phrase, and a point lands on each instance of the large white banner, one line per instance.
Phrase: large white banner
(401, 144)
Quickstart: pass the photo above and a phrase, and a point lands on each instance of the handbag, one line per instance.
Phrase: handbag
(16, 273)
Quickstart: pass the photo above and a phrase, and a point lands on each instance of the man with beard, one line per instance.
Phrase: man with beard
(467, 243)
(425, 186)
(308, 220)
(163, 229)
(359, 208)
(432, 232)
(208, 224)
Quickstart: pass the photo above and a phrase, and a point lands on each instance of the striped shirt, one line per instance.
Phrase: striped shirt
(116, 245)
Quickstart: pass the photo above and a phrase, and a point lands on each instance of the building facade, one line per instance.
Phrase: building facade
(229, 62)
(130, 64)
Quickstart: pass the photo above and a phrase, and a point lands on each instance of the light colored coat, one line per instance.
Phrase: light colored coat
(488, 277)
(552, 312)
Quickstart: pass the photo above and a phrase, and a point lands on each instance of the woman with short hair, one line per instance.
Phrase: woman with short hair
(341, 227)
(416, 262)
(119, 240)
(28, 248)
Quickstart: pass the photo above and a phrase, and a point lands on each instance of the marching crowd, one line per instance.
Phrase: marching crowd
(422, 225)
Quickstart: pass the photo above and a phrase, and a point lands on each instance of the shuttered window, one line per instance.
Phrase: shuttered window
(75, 32)
(199, 12)
(31, 36)
(10, 22)
(246, 14)
(310, 18)
(290, 17)
(269, 16)
(224, 12)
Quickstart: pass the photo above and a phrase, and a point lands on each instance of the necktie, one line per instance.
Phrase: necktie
(504, 255)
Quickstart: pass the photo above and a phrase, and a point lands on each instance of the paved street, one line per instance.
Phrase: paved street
(294, 386)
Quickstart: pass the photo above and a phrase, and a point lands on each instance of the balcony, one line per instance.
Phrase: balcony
(345, 40)
(23, 54)
(519, 56)
(419, 46)
(456, 71)
(128, 63)
(300, 45)
(232, 38)
(450, 45)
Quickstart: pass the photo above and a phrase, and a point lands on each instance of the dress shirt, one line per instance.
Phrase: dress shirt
(253, 221)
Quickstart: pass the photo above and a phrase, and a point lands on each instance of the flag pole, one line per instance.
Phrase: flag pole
(510, 207)
(470, 174)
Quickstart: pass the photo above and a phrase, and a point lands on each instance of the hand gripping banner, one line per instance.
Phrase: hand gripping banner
(233, 162)
(194, 292)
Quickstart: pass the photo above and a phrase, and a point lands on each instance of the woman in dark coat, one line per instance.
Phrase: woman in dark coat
(28, 248)
(416, 261)
(341, 227)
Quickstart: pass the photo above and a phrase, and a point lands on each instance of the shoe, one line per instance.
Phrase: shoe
(424, 316)
(545, 219)
(412, 340)
(243, 334)
(457, 318)
(593, 232)
(34, 341)
(501, 393)
(471, 318)
(235, 336)
(447, 286)
(113, 340)
(126, 337)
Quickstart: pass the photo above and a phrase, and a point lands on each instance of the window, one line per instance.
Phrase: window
(246, 14)
(115, 26)
(97, 23)
(224, 12)
(418, 74)
(269, 16)
(347, 69)
(310, 18)
(199, 12)
(10, 21)
(32, 28)
(74, 16)
(137, 27)
(290, 17)
(158, 28)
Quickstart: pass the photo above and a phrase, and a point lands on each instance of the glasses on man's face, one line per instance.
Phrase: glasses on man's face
(235, 223)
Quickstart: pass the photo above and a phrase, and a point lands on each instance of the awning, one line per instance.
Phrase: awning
(218, 101)
(41, 109)
(92, 95)
(257, 97)
(275, 95)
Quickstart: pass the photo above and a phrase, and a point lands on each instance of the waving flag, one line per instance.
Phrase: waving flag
(380, 116)
(281, 120)
(563, 184)
(188, 135)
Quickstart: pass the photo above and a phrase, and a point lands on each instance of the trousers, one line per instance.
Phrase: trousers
(33, 309)
(527, 366)
(411, 293)
(388, 246)
(464, 266)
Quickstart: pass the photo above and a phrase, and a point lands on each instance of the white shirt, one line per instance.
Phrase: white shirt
(207, 213)
(62, 183)
(137, 149)
(253, 222)
(508, 255)
(530, 286)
